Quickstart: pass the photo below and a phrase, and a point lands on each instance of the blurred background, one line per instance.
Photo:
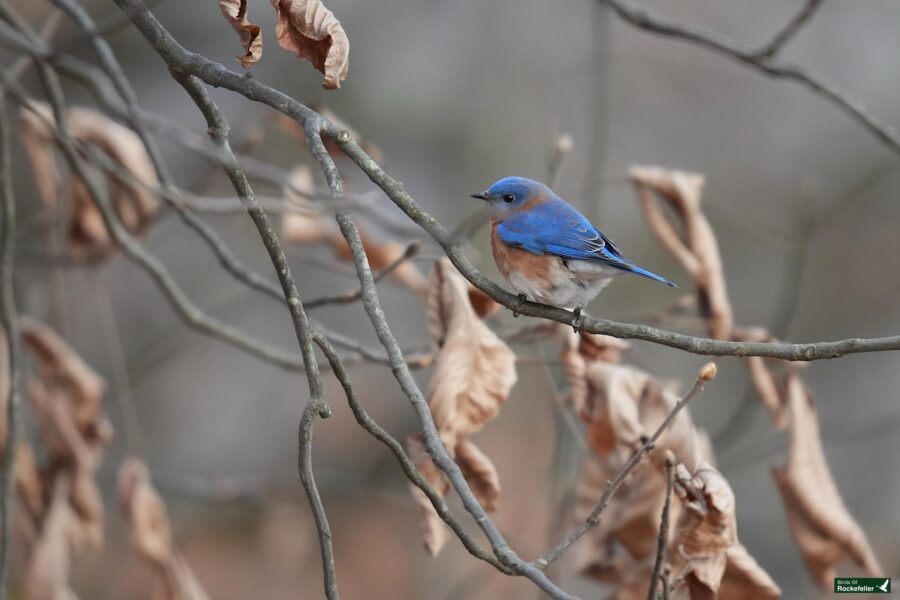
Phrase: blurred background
(456, 95)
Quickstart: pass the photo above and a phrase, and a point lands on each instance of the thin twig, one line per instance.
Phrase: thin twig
(48, 29)
(780, 39)
(353, 295)
(699, 36)
(10, 326)
(663, 537)
(593, 518)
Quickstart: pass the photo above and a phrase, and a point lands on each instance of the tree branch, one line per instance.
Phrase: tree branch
(780, 39)
(663, 538)
(760, 61)
(10, 333)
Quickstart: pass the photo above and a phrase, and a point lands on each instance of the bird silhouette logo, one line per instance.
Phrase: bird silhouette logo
(884, 586)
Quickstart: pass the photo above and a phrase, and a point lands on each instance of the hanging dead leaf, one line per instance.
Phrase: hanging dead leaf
(151, 536)
(822, 526)
(314, 33)
(146, 513)
(130, 191)
(62, 371)
(480, 472)
(697, 250)
(705, 530)
(744, 579)
(577, 350)
(433, 528)
(235, 12)
(48, 569)
(474, 373)
(475, 369)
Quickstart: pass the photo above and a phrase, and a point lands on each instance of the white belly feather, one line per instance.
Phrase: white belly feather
(570, 283)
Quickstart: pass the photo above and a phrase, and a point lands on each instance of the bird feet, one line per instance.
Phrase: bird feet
(576, 322)
(522, 300)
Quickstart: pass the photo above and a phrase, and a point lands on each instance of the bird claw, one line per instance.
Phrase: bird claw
(576, 322)
(522, 300)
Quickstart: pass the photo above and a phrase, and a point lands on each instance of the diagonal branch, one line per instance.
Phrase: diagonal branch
(759, 60)
(10, 337)
(780, 39)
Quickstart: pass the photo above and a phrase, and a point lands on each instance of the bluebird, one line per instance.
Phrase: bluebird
(547, 250)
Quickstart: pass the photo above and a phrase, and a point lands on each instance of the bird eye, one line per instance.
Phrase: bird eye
(508, 198)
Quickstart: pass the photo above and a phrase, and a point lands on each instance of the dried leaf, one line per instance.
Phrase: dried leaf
(577, 349)
(625, 404)
(150, 534)
(135, 204)
(146, 513)
(480, 472)
(312, 31)
(697, 250)
(433, 528)
(475, 369)
(235, 12)
(474, 373)
(629, 522)
(706, 529)
(821, 525)
(744, 579)
(65, 373)
(48, 570)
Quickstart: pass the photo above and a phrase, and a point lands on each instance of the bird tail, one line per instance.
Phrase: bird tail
(632, 268)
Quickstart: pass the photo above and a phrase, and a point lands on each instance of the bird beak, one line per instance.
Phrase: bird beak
(481, 196)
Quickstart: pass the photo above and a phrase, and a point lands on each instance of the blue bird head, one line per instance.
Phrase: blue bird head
(512, 193)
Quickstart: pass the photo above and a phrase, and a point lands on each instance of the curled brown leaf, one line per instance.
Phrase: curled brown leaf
(48, 569)
(314, 33)
(705, 530)
(235, 12)
(822, 527)
(151, 536)
(134, 203)
(697, 249)
(474, 373)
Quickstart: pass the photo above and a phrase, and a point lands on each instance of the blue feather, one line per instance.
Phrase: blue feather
(555, 227)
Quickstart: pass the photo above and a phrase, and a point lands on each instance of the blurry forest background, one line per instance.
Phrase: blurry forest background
(456, 95)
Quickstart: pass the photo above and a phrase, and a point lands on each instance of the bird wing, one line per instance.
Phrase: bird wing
(555, 227)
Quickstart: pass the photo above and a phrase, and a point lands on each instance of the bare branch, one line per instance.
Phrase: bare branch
(663, 537)
(780, 39)
(699, 36)
(10, 337)
(353, 295)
